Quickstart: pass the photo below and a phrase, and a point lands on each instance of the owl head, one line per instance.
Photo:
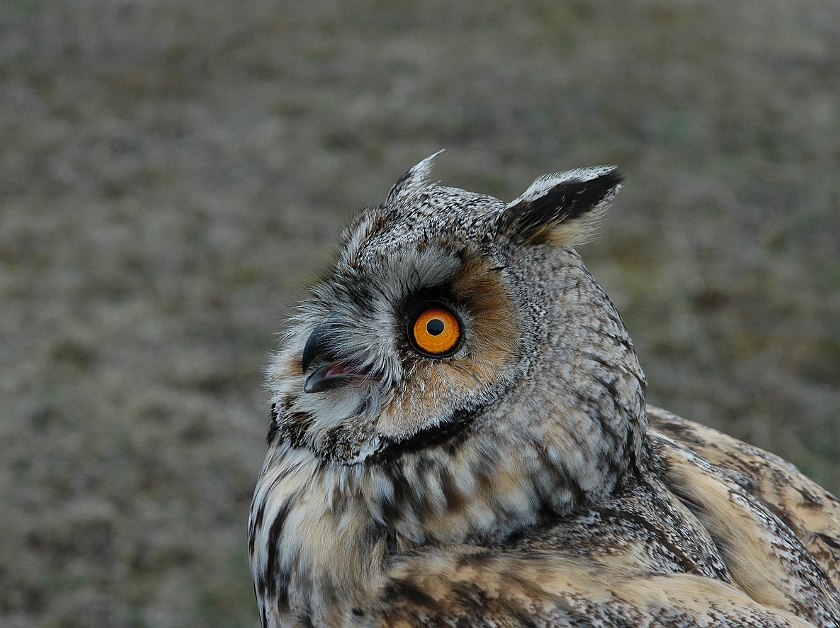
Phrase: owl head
(460, 362)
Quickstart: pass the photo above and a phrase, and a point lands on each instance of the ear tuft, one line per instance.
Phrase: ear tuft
(564, 208)
(413, 180)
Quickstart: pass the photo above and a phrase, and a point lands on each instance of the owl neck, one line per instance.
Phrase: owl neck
(503, 474)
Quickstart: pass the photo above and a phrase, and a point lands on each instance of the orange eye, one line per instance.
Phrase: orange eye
(436, 331)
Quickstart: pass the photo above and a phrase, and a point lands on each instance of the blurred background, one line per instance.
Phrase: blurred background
(174, 172)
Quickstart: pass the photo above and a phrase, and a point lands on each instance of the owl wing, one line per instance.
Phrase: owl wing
(468, 586)
(812, 513)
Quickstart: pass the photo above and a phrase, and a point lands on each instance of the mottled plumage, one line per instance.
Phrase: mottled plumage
(498, 465)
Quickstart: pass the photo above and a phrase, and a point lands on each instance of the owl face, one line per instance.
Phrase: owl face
(429, 316)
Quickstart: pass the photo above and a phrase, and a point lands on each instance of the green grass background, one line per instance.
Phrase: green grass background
(172, 172)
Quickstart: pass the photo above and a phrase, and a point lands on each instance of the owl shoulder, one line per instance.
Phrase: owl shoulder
(811, 512)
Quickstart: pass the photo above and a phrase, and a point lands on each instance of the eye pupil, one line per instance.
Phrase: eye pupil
(435, 327)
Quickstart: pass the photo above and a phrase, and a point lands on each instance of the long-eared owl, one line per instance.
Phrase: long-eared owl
(459, 437)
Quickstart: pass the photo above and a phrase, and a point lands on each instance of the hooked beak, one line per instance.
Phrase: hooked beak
(333, 372)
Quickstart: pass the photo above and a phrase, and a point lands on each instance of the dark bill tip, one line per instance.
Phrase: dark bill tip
(316, 345)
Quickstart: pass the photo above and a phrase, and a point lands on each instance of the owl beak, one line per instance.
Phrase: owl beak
(316, 345)
(333, 373)
(327, 377)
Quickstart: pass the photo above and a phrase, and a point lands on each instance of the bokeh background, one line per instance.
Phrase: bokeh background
(174, 172)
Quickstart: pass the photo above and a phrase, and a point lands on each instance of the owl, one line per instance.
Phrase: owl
(458, 436)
